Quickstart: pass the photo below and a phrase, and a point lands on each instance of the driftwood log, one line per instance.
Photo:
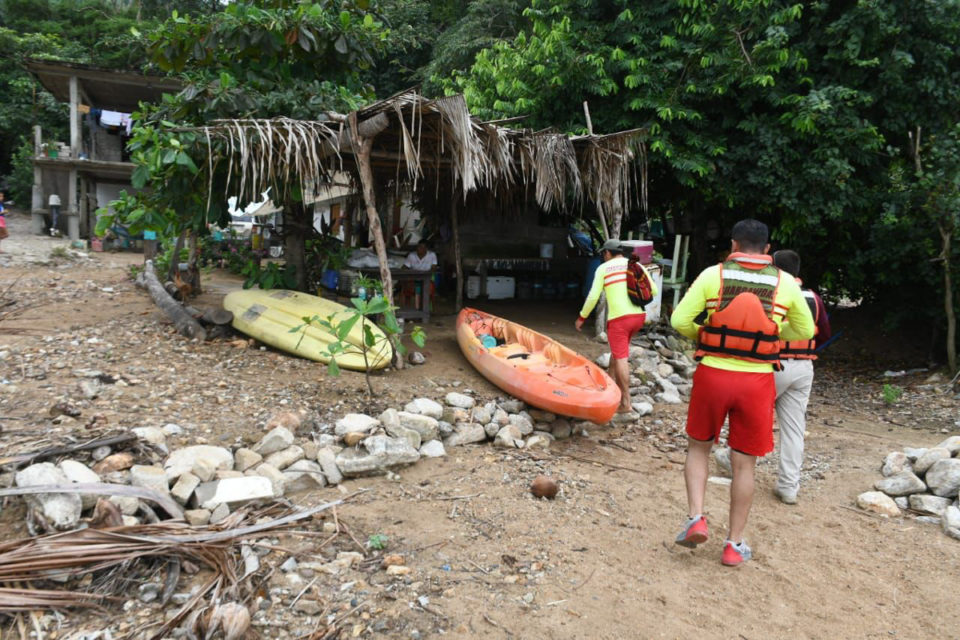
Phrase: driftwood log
(182, 320)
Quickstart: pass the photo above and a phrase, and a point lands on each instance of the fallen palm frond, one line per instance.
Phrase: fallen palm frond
(100, 489)
(117, 555)
(60, 450)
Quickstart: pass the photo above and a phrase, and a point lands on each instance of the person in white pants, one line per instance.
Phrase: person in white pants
(794, 383)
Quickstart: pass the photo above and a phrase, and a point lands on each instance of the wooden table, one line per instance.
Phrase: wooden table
(425, 278)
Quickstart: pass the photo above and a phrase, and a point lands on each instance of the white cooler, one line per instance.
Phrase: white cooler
(500, 288)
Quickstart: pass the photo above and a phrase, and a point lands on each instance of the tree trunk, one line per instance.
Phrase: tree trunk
(294, 242)
(456, 251)
(175, 258)
(946, 235)
(193, 272)
(362, 146)
(182, 320)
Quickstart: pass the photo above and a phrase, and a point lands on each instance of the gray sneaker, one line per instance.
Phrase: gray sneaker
(786, 497)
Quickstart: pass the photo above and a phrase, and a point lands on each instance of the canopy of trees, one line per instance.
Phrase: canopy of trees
(835, 122)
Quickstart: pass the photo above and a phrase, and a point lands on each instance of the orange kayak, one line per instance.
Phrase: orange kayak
(540, 371)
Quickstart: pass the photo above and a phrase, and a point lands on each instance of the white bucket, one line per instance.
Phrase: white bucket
(546, 250)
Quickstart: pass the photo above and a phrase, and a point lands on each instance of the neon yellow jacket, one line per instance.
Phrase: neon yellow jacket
(613, 273)
(798, 324)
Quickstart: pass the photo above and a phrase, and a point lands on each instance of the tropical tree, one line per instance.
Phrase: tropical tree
(251, 60)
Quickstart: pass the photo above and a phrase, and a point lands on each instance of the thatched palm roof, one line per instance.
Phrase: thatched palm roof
(416, 139)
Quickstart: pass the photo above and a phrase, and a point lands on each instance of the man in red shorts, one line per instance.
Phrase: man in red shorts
(623, 317)
(746, 305)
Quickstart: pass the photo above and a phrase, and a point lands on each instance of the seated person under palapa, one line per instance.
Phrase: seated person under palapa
(422, 259)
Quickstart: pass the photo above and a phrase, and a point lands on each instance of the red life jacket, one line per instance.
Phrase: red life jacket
(742, 324)
(803, 349)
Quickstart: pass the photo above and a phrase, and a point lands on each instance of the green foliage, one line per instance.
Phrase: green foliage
(364, 312)
(377, 542)
(252, 59)
(271, 276)
(891, 393)
(797, 114)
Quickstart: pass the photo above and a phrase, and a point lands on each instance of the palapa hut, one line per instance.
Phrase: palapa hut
(436, 151)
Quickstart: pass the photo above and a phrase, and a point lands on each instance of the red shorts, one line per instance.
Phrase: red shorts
(747, 397)
(619, 332)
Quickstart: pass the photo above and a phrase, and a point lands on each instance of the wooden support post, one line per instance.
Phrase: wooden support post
(455, 222)
(362, 145)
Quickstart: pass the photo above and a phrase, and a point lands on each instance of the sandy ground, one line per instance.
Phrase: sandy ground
(597, 562)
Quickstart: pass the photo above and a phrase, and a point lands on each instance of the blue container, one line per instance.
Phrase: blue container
(487, 340)
(572, 289)
(330, 279)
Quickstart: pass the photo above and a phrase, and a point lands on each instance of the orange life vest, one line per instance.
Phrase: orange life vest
(803, 349)
(741, 325)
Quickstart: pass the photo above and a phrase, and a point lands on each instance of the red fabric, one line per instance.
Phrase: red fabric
(619, 332)
(746, 396)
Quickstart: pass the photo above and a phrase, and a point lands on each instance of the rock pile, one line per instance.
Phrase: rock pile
(661, 370)
(925, 482)
(210, 482)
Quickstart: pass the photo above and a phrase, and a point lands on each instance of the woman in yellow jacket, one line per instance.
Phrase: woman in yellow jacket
(624, 318)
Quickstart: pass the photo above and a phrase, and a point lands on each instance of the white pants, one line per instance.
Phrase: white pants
(793, 393)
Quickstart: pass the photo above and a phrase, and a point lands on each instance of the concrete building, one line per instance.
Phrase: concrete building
(92, 168)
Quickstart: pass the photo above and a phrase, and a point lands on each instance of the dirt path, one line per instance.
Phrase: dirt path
(597, 562)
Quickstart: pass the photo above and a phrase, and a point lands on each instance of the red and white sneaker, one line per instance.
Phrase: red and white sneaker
(694, 533)
(735, 554)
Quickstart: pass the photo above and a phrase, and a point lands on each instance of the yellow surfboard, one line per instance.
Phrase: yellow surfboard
(269, 315)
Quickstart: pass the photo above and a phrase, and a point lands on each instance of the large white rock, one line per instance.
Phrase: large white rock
(389, 417)
(950, 520)
(427, 427)
(901, 484)
(509, 437)
(378, 453)
(149, 477)
(277, 439)
(926, 503)
(277, 480)
(943, 478)
(182, 461)
(246, 459)
(511, 405)
(895, 462)
(425, 406)
(81, 474)
(603, 360)
(235, 492)
(183, 490)
(355, 423)
(951, 444)
(467, 434)
(668, 398)
(283, 459)
(61, 510)
(878, 502)
(481, 415)
(522, 422)
(432, 449)
(459, 400)
(643, 408)
(913, 454)
(400, 431)
(304, 475)
(153, 435)
(929, 457)
(327, 459)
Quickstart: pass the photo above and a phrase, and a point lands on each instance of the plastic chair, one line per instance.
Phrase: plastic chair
(677, 281)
